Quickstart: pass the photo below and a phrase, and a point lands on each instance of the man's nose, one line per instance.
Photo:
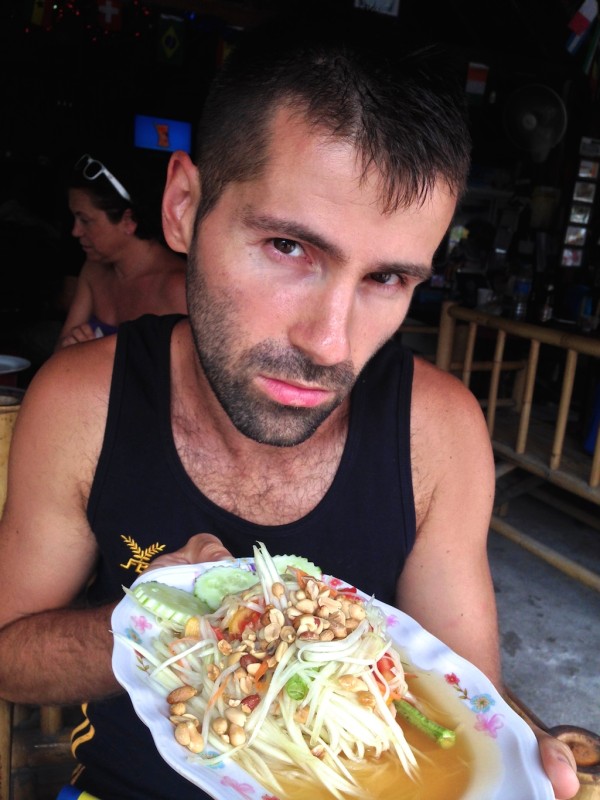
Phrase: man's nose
(322, 331)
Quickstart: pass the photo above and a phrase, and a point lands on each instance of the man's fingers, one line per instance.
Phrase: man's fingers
(207, 547)
(199, 549)
(559, 764)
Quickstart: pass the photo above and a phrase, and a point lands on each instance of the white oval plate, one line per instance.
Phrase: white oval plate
(9, 364)
(512, 752)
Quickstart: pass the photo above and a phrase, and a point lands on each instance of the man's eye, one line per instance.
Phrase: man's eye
(388, 278)
(287, 246)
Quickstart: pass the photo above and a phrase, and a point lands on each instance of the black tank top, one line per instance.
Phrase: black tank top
(143, 503)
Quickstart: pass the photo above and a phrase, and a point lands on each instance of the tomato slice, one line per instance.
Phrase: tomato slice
(242, 619)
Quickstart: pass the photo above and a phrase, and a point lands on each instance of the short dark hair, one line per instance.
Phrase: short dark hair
(403, 110)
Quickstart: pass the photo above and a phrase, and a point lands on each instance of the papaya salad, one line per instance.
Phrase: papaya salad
(284, 671)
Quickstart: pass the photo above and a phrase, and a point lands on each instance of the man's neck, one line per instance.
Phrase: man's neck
(256, 481)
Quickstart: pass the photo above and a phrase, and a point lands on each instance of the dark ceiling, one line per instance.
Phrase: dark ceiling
(69, 83)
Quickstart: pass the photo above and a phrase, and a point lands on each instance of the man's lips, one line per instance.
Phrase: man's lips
(291, 394)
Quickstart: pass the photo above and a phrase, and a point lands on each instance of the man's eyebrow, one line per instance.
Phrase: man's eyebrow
(293, 230)
(422, 272)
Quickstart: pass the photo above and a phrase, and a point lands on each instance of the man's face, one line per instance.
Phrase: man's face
(297, 278)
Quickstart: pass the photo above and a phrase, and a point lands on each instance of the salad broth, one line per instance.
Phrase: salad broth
(443, 774)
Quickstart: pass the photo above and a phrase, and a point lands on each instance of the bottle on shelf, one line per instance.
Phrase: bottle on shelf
(521, 290)
(545, 306)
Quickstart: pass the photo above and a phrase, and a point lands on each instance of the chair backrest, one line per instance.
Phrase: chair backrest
(542, 446)
(9, 408)
(35, 750)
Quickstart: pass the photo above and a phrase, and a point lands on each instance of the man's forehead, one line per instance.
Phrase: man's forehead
(295, 141)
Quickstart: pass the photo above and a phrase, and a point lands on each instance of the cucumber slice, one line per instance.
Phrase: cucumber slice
(167, 602)
(217, 582)
(283, 562)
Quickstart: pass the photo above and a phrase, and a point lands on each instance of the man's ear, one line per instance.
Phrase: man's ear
(180, 201)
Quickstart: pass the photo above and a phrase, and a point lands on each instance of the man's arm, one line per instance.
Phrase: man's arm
(50, 653)
(446, 583)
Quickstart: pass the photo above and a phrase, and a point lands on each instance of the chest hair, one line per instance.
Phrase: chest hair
(267, 485)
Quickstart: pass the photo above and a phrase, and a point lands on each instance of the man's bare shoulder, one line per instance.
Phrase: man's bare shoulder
(86, 366)
(440, 398)
(449, 436)
(68, 397)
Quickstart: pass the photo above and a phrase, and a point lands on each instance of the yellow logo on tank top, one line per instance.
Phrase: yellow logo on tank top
(140, 558)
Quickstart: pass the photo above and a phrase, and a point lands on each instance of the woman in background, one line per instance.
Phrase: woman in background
(128, 270)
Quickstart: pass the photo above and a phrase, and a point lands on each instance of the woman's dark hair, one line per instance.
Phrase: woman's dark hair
(404, 111)
(144, 193)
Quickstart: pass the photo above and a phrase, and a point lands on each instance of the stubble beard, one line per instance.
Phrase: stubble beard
(229, 371)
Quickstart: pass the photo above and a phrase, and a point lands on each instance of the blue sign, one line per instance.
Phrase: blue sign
(156, 133)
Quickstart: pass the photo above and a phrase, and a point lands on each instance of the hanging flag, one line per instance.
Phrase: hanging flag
(171, 35)
(583, 18)
(224, 48)
(389, 7)
(110, 14)
(575, 40)
(41, 13)
(477, 75)
(592, 49)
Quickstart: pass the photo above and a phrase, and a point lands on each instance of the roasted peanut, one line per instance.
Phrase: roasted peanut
(181, 695)
(237, 735)
(219, 725)
(352, 683)
(250, 702)
(235, 716)
(366, 699)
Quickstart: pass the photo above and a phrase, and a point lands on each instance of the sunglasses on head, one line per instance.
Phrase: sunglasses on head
(91, 169)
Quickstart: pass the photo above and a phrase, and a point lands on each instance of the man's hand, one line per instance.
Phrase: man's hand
(200, 548)
(559, 763)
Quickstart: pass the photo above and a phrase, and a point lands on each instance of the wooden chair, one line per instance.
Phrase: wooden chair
(35, 752)
(542, 447)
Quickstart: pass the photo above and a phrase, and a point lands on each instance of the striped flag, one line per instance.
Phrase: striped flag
(583, 18)
(477, 75)
(580, 24)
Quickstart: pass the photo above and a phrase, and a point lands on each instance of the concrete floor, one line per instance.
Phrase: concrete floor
(549, 621)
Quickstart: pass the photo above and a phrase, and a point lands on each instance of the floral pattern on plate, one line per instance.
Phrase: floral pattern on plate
(492, 718)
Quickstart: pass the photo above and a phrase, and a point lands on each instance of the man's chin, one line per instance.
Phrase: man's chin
(290, 427)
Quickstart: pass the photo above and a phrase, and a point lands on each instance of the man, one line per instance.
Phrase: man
(326, 179)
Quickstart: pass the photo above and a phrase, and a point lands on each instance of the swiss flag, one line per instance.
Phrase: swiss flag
(110, 14)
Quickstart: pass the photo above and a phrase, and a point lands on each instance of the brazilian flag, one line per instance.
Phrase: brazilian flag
(171, 36)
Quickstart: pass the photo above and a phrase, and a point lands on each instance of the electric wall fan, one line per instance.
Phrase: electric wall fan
(535, 119)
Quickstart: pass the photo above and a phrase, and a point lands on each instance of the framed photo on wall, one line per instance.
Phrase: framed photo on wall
(575, 235)
(571, 257)
(588, 169)
(584, 191)
(580, 213)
